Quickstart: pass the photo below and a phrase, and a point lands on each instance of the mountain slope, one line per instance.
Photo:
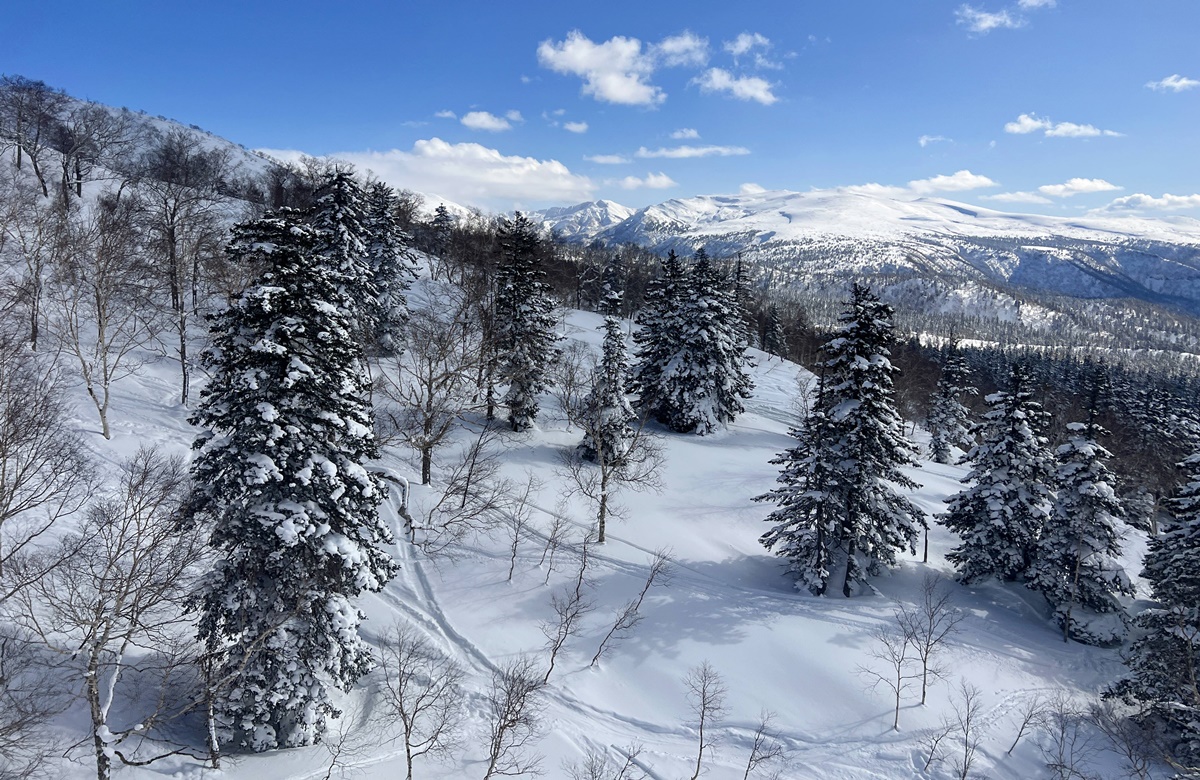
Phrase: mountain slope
(813, 235)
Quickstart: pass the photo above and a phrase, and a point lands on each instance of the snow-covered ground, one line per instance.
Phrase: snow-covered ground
(727, 603)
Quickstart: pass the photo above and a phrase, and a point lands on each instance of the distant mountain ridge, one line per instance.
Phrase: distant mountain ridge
(824, 234)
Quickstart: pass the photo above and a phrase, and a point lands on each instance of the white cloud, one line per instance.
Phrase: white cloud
(1031, 123)
(926, 140)
(446, 114)
(960, 181)
(1072, 130)
(616, 71)
(1027, 123)
(1142, 201)
(607, 159)
(750, 188)
(1077, 186)
(653, 181)
(1035, 4)
(684, 49)
(740, 87)
(514, 115)
(1174, 83)
(685, 134)
(576, 127)
(483, 120)
(1016, 197)
(470, 173)
(875, 188)
(979, 21)
(684, 152)
(745, 42)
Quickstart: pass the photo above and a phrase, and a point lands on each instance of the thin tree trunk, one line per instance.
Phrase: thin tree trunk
(103, 762)
(853, 548)
(602, 514)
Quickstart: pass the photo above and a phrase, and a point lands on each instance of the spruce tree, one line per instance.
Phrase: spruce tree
(704, 381)
(878, 521)
(949, 420)
(338, 218)
(525, 338)
(774, 342)
(392, 265)
(281, 480)
(1164, 664)
(658, 337)
(840, 483)
(1000, 515)
(806, 528)
(607, 415)
(1075, 566)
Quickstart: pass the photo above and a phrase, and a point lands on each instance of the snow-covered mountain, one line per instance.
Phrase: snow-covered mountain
(811, 235)
(583, 220)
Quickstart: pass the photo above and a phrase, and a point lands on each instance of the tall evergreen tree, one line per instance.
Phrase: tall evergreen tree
(1164, 664)
(608, 417)
(612, 293)
(806, 528)
(741, 303)
(774, 342)
(840, 484)
(393, 267)
(1000, 515)
(658, 337)
(525, 338)
(704, 381)
(281, 480)
(338, 218)
(879, 522)
(949, 420)
(1076, 566)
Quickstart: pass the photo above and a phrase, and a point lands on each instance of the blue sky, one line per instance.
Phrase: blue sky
(1047, 106)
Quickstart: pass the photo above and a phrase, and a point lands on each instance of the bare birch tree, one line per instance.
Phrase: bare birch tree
(514, 720)
(118, 597)
(423, 693)
(100, 297)
(706, 693)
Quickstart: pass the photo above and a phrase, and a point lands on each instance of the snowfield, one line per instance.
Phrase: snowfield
(728, 602)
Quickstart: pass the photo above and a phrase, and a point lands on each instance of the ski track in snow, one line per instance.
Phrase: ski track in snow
(727, 601)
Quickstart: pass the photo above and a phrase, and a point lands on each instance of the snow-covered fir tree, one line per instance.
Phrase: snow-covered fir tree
(841, 485)
(612, 286)
(704, 381)
(441, 229)
(1000, 515)
(392, 264)
(338, 218)
(741, 302)
(774, 342)
(949, 420)
(806, 526)
(878, 521)
(607, 414)
(1075, 565)
(658, 337)
(525, 338)
(281, 480)
(1164, 664)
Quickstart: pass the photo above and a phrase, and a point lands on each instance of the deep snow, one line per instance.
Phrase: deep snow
(728, 603)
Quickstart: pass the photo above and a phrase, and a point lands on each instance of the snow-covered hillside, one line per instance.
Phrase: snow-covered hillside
(727, 603)
(830, 233)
